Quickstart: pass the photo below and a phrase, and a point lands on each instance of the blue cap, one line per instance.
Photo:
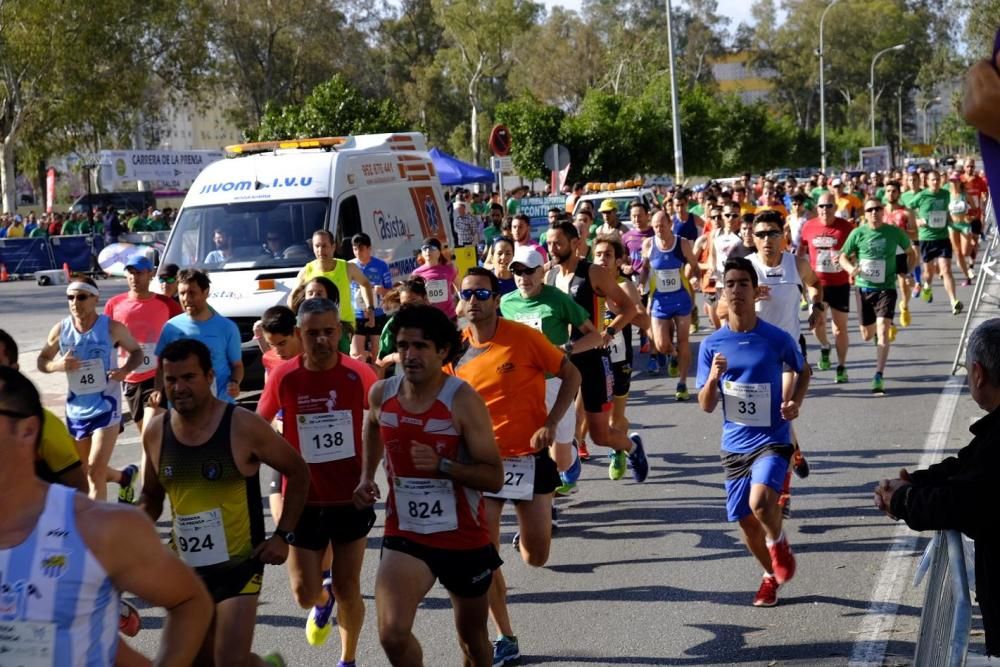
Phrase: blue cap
(139, 262)
(912, 169)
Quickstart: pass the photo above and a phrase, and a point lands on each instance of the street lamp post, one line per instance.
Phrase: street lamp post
(822, 91)
(899, 118)
(871, 82)
(923, 110)
(674, 106)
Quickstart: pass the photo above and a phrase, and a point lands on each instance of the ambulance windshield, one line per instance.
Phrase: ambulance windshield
(247, 235)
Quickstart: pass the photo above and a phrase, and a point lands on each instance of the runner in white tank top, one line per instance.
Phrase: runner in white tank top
(62, 561)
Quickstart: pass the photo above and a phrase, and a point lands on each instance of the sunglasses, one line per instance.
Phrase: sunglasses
(717, 216)
(771, 234)
(168, 280)
(873, 209)
(77, 297)
(523, 270)
(14, 415)
(730, 216)
(428, 247)
(824, 206)
(480, 294)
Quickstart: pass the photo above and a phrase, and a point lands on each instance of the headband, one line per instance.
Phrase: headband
(82, 287)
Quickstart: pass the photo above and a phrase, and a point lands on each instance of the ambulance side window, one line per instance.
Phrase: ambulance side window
(348, 224)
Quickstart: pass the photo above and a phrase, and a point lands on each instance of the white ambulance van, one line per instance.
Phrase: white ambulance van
(248, 220)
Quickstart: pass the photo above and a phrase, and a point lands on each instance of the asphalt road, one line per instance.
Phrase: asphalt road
(651, 574)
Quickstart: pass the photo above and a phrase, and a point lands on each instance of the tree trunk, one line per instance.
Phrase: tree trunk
(475, 133)
(8, 185)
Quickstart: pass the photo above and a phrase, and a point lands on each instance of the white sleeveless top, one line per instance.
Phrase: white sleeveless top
(782, 308)
(55, 598)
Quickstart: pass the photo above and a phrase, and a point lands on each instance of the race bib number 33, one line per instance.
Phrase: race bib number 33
(747, 404)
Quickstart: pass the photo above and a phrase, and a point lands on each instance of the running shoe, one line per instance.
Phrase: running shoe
(505, 651)
(841, 375)
(640, 466)
(878, 385)
(803, 304)
(971, 273)
(799, 464)
(652, 368)
(892, 333)
(674, 369)
(966, 283)
(572, 474)
(682, 392)
(917, 292)
(782, 560)
(904, 317)
(129, 485)
(618, 465)
(644, 347)
(956, 307)
(927, 294)
(129, 621)
(516, 541)
(319, 624)
(824, 359)
(767, 594)
(555, 519)
(566, 489)
(346, 663)
(274, 659)
(582, 450)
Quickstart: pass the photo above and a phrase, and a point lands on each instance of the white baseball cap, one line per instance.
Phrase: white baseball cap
(528, 257)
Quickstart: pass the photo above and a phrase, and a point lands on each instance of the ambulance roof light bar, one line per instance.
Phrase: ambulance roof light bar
(327, 143)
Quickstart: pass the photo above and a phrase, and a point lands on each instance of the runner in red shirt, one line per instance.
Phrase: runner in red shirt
(322, 400)
(975, 191)
(143, 313)
(822, 238)
(436, 434)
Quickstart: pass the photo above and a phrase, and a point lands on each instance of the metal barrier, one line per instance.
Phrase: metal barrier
(987, 274)
(943, 637)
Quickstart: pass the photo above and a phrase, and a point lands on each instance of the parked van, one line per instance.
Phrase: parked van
(384, 185)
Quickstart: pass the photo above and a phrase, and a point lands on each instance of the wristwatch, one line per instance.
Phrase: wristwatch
(610, 332)
(568, 347)
(445, 466)
(817, 304)
(287, 535)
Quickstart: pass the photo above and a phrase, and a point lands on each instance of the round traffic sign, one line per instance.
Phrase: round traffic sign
(500, 140)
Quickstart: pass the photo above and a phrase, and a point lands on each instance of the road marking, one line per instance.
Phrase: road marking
(873, 636)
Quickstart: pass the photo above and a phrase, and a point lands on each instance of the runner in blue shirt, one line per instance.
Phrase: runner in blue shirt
(364, 344)
(741, 364)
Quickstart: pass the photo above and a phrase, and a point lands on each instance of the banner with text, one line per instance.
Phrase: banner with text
(176, 168)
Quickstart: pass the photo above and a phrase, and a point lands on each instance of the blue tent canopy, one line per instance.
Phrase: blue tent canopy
(453, 171)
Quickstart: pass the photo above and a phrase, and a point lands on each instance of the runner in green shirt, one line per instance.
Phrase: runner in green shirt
(553, 312)
(931, 207)
(869, 255)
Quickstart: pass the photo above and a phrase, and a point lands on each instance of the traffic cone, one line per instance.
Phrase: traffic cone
(4, 276)
(66, 270)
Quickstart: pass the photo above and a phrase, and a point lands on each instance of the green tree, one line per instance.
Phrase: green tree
(481, 35)
(333, 108)
(70, 77)
(534, 126)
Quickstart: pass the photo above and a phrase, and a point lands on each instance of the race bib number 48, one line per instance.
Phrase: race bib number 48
(425, 505)
(90, 378)
(747, 404)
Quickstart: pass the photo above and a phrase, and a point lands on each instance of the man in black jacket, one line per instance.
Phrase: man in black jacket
(960, 492)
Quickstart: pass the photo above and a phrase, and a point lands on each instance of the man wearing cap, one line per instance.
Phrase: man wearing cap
(16, 230)
(143, 313)
(553, 312)
(612, 226)
(848, 205)
(85, 342)
(156, 223)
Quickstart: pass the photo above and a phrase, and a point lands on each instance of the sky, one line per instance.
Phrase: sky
(736, 10)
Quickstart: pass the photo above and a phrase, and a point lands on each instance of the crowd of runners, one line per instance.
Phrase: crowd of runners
(465, 391)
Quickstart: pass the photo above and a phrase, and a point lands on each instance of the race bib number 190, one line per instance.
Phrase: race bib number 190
(668, 280)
